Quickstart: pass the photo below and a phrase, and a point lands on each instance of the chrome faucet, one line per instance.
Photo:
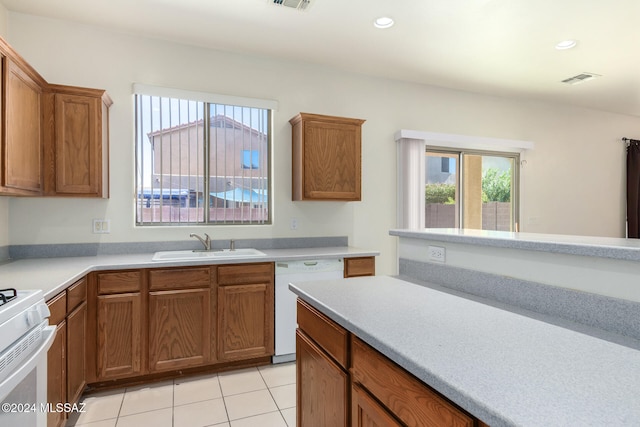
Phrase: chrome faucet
(206, 241)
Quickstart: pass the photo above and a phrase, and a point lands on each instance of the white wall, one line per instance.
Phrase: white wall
(572, 183)
(603, 276)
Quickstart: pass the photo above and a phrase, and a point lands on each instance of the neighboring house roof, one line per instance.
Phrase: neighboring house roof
(217, 121)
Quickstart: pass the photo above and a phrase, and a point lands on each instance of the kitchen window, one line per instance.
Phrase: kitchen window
(202, 158)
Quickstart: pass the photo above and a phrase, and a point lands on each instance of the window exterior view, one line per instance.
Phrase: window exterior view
(471, 190)
(201, 163)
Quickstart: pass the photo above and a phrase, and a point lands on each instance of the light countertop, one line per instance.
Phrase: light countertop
(53, 275)
(604, 247)
(506, 368)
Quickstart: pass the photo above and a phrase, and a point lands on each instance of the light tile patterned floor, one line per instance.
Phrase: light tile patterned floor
(264, 396)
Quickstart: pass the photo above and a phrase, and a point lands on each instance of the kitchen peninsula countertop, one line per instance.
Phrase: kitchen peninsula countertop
(604, 247)
(504, 367)
(53, 275)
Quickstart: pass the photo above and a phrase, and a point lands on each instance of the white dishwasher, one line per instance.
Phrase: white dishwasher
(295, 272)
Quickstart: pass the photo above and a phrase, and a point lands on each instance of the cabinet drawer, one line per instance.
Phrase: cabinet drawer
(414, 403)
(179, 278)
(328, 334)
(76, 294)
(119, 282)
(245, 273)
(58, 308)
(365, 266)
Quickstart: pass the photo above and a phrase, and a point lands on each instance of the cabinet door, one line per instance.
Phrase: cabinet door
(245, 321)
(332, 161)
(179, 329)
(322, 386)
(326, 155)
(23, 151)
(119, 335)
(410, 400)
(76, 352)
(366, 412)
(57, 375)
(78, 145)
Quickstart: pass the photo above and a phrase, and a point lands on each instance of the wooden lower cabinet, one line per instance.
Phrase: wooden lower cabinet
(119, 335)
(322, 386)
(76, 352)
(57, 375)
(245, 321)
(366, 412)
(360, 266)
(179, 332)
(153, 323)
(413, 402)
(321, 363)
(365, 390)
(66, 359)
(245, 325)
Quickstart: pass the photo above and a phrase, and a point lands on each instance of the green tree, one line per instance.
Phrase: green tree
(440, 193)
(496, 185)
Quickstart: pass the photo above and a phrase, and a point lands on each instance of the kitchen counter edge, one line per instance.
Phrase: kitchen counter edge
(53, 275)
(592, 246)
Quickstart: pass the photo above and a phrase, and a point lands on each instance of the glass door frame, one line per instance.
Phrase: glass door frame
(515, 179)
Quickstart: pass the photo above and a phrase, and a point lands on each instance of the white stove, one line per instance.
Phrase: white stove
(25, 338)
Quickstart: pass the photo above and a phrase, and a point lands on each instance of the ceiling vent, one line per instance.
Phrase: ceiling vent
(293, 4)
(582, 77)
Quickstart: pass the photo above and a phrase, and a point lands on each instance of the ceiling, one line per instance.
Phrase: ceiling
(499, 47)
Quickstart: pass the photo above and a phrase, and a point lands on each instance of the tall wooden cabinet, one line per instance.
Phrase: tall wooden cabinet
(326, 160)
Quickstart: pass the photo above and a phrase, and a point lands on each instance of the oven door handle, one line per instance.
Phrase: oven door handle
(12, 381)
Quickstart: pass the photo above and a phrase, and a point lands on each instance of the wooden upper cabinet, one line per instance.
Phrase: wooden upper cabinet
(54, 138)
(22, 159)
(77, 142)
(326, 161)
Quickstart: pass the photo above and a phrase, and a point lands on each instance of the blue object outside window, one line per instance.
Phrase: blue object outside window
(250, 159)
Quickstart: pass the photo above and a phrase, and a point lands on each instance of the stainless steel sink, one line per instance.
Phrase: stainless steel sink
(201, 255)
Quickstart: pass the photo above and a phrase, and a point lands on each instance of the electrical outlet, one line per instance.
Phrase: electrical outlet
(101, 226)
(293, 224)
(436, 254)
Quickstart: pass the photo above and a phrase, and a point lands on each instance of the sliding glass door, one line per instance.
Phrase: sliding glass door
(466, 189)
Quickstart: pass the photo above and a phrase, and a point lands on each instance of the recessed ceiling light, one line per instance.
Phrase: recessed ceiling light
(383, 22)
(566, 44)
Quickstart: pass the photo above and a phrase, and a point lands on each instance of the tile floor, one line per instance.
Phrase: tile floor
(263, 396)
